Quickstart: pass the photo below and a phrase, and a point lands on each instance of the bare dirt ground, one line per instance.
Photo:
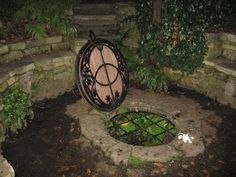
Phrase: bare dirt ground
(52, 145)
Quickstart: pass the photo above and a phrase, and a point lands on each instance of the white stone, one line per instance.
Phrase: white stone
(230, 88)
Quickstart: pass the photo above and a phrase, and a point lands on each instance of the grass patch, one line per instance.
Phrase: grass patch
(135, 161)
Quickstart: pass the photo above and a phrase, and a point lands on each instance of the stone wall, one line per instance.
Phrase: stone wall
(217, 78)
(221, 45)
(124, 10)
(18, 50)
(45, 66)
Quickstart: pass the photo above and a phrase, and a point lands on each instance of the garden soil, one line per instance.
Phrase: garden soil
(52, 146)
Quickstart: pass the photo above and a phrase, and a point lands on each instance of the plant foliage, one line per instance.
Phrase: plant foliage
(135, 161)
(15, 108)
(177, 42)
(40, 17)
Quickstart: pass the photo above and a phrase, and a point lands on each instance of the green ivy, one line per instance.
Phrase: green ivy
(152, 77)
(178, 41)
(15, 108)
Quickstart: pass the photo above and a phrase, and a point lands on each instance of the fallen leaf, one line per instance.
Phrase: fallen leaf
(220, 161)
(125, 124)
(88, 171)
(159, 164)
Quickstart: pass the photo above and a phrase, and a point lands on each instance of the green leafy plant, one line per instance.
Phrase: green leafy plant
(177, 42)
(39, 18)
(152, 77)
(15, 109)
(37, 31)
(3, 32)
(135, 161)
(131, 58)
(34, 89)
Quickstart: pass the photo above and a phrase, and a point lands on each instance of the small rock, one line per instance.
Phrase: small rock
(221, 162)
(233, 159)
(215, 168)
(88, 171)
(185, 166)
(192, 163)
(163, 170)
(159, 164)
(205, 171)
(180, 174)
(155, 172)
(210, 156)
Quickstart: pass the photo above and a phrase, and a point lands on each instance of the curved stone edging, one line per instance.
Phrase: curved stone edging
(6, 169)
(93, 127)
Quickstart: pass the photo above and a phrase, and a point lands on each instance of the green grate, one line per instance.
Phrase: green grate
(141, 128)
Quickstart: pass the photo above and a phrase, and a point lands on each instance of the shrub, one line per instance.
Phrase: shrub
(15, 108)
(39, 17)
(178, 41)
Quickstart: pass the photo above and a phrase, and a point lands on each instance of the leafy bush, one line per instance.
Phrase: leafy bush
(46, 15)
(8, 8)
(40, 17)
(37, 31)
(178, 41)
(132, 59)
(3, 32)
(152, 77)
(15, 108)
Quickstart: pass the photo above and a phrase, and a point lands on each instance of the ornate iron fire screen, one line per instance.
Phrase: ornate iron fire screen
(102, 74)
(141, 128)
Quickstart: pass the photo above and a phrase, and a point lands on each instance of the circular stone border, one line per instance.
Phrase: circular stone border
(92, 123)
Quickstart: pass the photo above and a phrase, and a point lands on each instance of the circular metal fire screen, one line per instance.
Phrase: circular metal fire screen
(102, 74)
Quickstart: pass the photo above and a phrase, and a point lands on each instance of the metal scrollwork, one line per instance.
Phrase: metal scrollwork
(102, 74)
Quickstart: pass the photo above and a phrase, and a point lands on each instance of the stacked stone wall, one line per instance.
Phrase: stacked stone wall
(17, 50)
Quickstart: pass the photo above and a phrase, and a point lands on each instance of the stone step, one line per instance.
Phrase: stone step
(18, 67)
(95, 20)
(229, 54)
(104, 30)
(107, 37)
(94, 9)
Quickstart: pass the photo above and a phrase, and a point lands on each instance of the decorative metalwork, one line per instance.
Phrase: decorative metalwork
(102, 74)
(142, 128)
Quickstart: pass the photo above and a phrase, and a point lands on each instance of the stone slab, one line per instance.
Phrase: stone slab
(11, 56)
(228, 37)
(161, 153)
(53, 39)
(6, 169)
(17, 46)
(119, 153)
(191, 150)
(229, 54)
(3, 49)
(37, 50)
(60, 46)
